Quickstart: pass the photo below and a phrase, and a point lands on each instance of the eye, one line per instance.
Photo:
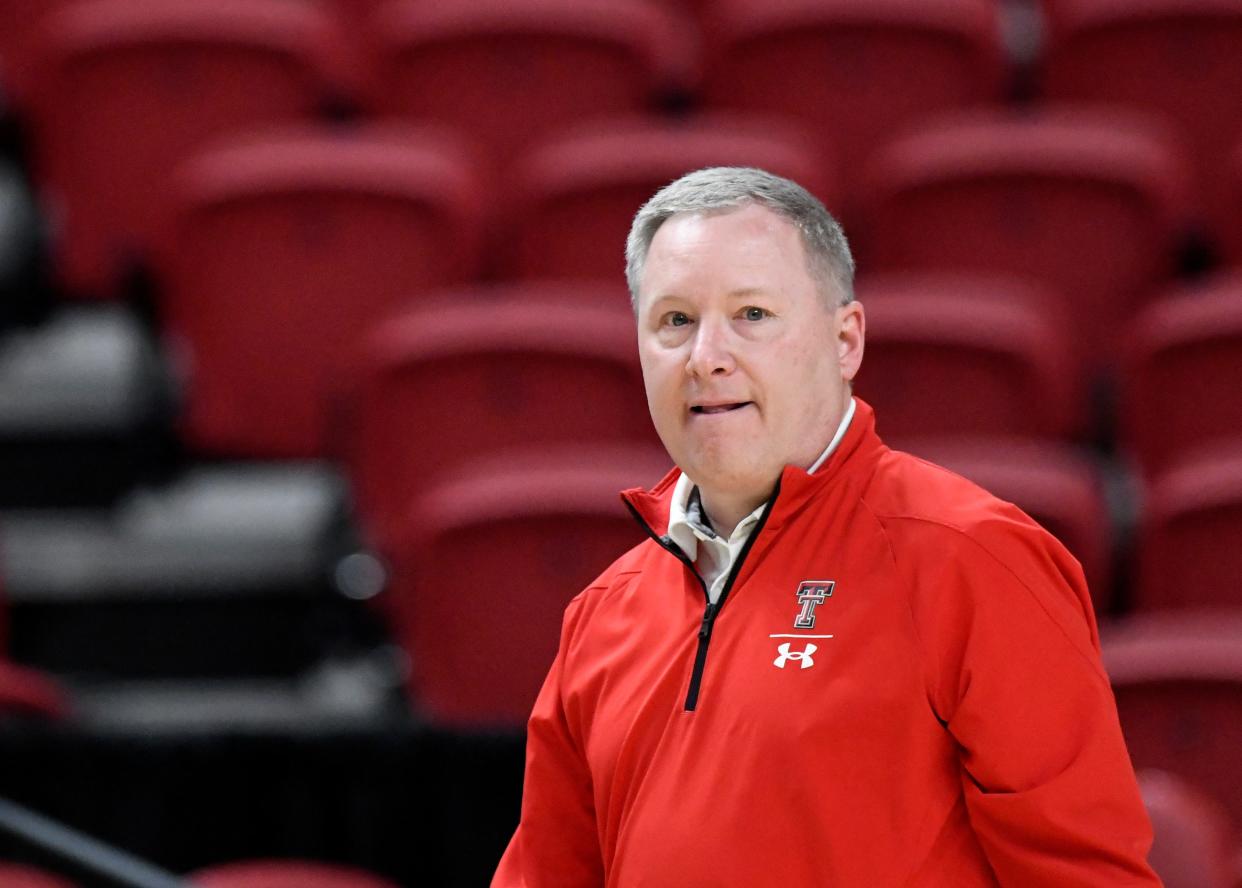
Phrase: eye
(754, 313)
(676, 319)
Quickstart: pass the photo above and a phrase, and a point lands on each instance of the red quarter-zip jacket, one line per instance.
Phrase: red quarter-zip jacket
(943, 720)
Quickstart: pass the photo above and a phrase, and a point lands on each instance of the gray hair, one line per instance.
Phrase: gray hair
(720, 189)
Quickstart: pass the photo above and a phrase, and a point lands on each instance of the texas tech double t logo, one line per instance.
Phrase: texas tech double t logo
(811, 594)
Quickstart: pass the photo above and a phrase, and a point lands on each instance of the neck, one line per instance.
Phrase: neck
(725, 511)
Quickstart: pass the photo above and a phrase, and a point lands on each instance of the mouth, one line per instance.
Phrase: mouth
(715, 409)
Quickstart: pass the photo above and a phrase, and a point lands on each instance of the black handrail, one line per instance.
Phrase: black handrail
(82, 852)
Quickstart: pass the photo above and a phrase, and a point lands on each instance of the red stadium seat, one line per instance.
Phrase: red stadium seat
(1178, 683)
(856, 72)
(15, 27)
(576, 194)
(507, 73)
(1190, 555)
(489, 560)
(1176, 58)
(1229, 226)
(13, 875)
(486, 371)
(26, 692)
(123, 91)
(1183, 361)
(1057, 485)
(1085, 203)
(699, 11)
(356, 13)
(20, 21)
(286, 874)
(353, 17)
(284, 249)
(1193, 835)
(967, 355)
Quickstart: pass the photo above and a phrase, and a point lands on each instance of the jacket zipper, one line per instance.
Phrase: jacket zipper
(712, 610)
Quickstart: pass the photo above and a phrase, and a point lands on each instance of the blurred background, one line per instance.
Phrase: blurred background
(318, 381)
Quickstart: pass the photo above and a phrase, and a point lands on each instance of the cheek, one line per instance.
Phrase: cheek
(661, 381)
(788, 367)
(812, 352)
(657, 404)
(798, 380)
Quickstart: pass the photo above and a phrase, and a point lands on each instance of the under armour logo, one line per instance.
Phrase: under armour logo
(811, 594)
(803, 656)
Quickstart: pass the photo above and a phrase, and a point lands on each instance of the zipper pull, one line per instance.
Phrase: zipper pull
(709, 618)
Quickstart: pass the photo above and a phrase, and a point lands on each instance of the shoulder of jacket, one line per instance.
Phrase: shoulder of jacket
(906, 486)
(942, 529)
(919, 504)
(616, 576)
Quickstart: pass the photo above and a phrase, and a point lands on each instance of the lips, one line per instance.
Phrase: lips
(713, 409)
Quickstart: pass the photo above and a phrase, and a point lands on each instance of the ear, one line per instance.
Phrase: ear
(851, 334)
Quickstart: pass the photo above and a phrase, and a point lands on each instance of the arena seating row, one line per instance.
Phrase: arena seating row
(277, 210)
(284, 250)
(1172, 55)
(947, 357)
(299, 243)
(118, 102)
(1092, 203)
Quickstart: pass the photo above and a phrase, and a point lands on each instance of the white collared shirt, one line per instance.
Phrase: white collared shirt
(713, 555)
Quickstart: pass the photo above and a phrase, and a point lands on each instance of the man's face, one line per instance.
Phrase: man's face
(745, 363)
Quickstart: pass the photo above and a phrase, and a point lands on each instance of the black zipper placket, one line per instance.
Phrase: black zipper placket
(712, 610)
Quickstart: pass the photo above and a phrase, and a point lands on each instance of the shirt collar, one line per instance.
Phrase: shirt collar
(686, 522)
(836, 439)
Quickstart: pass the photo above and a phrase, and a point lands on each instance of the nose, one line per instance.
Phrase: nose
(711, 352)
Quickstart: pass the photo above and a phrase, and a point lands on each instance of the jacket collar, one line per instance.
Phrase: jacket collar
(854, 456)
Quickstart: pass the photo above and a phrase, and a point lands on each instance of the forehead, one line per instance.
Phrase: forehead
(748, 241)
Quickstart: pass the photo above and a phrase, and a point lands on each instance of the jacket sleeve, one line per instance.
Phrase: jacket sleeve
(556, 844)
(1014, 673)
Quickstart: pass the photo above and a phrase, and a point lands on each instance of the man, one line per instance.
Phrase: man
(831, 664)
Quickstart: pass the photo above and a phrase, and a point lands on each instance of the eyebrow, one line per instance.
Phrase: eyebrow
(742, 293)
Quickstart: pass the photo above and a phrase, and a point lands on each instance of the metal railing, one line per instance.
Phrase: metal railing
(96, 860)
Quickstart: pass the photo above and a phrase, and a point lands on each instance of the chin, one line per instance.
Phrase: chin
(737, 474)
